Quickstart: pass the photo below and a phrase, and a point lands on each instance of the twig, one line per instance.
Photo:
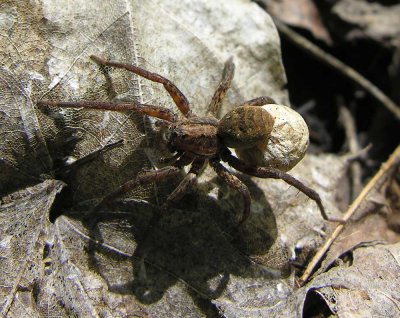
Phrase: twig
(361, 154)
(373, 185)
(338, 66)
(350, 129)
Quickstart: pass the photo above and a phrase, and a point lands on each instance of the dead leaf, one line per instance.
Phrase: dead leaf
(24, 234)
(374, 228)
(369, 19)
(183, 261)
(366, 287)
(23, 152)
(303, 14)
(172, 45)
(193, 261)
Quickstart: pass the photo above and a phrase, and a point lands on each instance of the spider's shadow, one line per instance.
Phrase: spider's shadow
(193, 248)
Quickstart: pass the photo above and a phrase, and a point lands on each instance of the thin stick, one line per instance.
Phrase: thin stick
(339, 66)
(350, 129)
(373, 185)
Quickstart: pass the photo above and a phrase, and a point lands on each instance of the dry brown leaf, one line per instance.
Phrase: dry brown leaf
(301, 13)
(369, 19)
(374, 228)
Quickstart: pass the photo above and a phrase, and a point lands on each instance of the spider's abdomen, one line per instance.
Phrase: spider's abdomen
(197, 138)
(245, 126)
(281, 148)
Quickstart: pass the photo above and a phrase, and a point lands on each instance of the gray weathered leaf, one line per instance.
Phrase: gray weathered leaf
(292, 232)
(24, 233)
(176, 267)
(366, 287)
(23, 153)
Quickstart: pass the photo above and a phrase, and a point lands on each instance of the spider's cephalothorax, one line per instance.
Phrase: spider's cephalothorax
(196, 137)
(196, 141)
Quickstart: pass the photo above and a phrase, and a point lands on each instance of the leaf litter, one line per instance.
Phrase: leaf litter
(131, 260)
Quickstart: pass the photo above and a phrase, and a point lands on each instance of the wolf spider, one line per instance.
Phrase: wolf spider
(196, 140)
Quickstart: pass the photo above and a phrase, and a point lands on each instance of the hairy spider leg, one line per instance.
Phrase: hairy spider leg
(179, 99)
(143, 178)
(223, 86)
(149, 176)
(234, 182)
(264, 172)
(150, 110)
(172, 159)
(187, 183)
(259, 101)
(184, 160)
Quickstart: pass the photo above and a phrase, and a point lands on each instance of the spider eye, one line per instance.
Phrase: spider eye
(245, 127)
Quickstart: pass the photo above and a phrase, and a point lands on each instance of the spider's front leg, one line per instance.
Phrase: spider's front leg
(180, 100)
(264, 172)
(149, 110)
